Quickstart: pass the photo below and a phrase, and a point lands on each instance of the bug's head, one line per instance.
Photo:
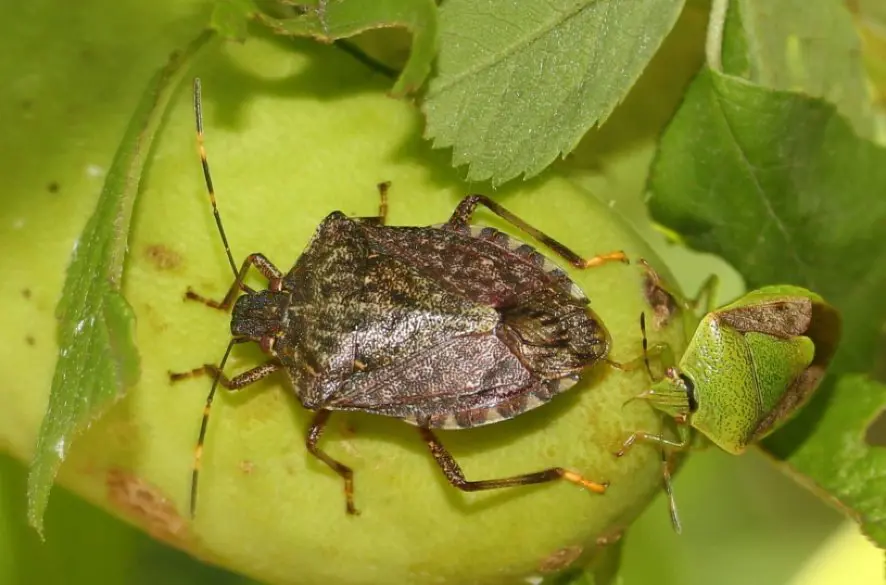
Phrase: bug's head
(674, 394)
(261, 317)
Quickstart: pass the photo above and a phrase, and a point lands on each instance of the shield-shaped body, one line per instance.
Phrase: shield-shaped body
(440, 326)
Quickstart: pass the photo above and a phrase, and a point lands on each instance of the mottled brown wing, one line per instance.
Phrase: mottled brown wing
(354, 310)
(782, 318)
(404, 312)
(486, 265)
(462, 382)
(545, 316)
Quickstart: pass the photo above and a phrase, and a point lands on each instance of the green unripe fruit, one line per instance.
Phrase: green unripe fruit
(291, 136)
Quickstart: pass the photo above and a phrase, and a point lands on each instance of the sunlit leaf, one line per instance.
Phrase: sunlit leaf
(520, 83)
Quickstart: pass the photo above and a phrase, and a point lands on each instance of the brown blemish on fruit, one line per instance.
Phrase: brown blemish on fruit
(662, 303)
(349, 433)
(347, 429)
(29, 339)
(53, 187)
(162, 258)
(157, 320)
(610, 537)
(247, 466)
(26, 292)
(560, 559)
(145, 504)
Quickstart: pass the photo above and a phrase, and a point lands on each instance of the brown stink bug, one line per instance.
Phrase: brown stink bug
(445, 327)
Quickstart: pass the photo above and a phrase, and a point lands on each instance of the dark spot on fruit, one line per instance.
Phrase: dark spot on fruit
(53, 187)
(162, 258)
(26, 292)
(30, 340)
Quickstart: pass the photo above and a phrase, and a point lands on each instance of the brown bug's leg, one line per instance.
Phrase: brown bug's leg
(262, 264)
(462, 215)
(456, 477)
(235, 383)
(382, 217)
(259, 261)
(317, 426)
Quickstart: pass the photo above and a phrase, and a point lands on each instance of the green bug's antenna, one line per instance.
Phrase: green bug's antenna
(665, 466)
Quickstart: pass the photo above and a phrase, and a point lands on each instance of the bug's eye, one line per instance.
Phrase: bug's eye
(690, 392)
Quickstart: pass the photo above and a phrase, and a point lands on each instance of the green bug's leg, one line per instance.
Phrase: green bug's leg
(644, 437)
(669, 490)
(684, 430)
(683, 443)
(708, 289)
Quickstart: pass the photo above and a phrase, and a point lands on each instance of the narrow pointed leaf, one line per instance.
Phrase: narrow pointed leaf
(97, 359)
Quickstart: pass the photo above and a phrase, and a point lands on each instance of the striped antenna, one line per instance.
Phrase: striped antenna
(198, 113)
(201, 438)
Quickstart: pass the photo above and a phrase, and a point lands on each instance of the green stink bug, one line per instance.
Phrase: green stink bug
(748, 368)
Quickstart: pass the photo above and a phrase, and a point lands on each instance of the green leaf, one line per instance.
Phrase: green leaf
(870, 18)
(230, 17)
(836, 455)
(521, 82)
(781, 187)
(787, 50)
(329, 20)
(97, 359)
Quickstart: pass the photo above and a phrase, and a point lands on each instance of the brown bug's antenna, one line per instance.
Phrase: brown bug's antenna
(198, 113)
(198, 450)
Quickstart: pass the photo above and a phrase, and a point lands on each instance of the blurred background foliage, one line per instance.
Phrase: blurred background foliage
(86, 63)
